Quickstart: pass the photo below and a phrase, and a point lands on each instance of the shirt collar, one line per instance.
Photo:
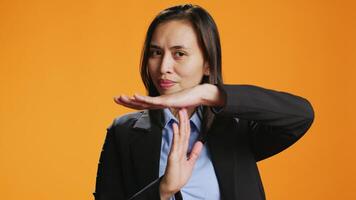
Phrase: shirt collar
(196, 118)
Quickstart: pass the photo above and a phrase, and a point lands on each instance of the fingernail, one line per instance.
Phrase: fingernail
(181, 111)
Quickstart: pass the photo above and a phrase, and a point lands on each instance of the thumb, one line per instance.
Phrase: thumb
(194, 154)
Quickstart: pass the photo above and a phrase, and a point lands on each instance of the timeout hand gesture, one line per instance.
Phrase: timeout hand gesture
(204, 94)
(179, 165)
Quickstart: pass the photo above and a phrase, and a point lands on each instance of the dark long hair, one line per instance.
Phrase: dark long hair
(208, 39)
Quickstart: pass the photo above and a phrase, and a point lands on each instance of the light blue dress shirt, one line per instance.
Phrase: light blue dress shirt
(203, 183)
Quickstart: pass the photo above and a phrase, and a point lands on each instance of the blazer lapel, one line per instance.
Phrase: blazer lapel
(145, 146)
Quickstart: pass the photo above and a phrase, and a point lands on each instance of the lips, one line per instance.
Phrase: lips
(166, 83)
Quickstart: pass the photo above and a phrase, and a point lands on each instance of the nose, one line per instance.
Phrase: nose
(167, 64)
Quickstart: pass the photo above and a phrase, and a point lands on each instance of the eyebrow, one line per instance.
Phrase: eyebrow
(172, 47)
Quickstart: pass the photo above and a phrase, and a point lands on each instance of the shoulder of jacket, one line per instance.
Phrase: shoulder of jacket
(126, 119)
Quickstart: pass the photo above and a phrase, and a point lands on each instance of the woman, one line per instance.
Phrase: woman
(195, 138)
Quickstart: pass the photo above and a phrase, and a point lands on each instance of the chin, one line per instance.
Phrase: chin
(169, 91)
(166, 92)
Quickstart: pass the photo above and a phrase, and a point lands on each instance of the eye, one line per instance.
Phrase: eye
(179, 54)
(154, 53)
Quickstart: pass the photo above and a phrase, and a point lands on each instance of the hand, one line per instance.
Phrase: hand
(179, 165)
(204, 94)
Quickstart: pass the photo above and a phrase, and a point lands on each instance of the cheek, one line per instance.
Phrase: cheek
(191, 75)
(192, 69)
(152, 67)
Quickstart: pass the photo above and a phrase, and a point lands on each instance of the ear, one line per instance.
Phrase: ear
(206, 69)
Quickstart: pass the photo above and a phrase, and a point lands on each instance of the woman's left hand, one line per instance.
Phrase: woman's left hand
(203, 94)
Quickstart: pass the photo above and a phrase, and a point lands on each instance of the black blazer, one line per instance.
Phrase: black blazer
(254, 124)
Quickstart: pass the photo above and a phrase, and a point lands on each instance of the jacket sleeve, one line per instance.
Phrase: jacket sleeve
(109, 179)
(276, 119)
(110, 184)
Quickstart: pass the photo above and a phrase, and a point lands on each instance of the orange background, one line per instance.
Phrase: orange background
(61, 63)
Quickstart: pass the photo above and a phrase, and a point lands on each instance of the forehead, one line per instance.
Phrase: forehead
(173, 33)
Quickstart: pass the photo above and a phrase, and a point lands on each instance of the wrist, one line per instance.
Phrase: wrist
(212, 95)
(164, 193)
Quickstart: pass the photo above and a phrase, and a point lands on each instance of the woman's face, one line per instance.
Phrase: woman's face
(176, 61)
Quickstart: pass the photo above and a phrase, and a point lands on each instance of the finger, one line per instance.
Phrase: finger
(194, 155)
(150, 102)
(125, 99)
(128, 106)
(187, 120)
(178, 141)
(148, 99)
(182, 129)
(187, 123)
(163, 101)
(186, 135)
(175, 139)
(131, 101)
(119, 101)
(147, 105)
(122, 100)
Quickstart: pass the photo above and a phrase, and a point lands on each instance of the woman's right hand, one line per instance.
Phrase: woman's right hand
(179, 165)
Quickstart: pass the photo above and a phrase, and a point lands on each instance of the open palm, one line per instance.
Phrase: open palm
(190, 97)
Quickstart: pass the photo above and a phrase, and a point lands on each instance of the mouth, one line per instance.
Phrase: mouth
(165, 83)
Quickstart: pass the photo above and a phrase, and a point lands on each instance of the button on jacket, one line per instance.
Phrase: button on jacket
(254, 124)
